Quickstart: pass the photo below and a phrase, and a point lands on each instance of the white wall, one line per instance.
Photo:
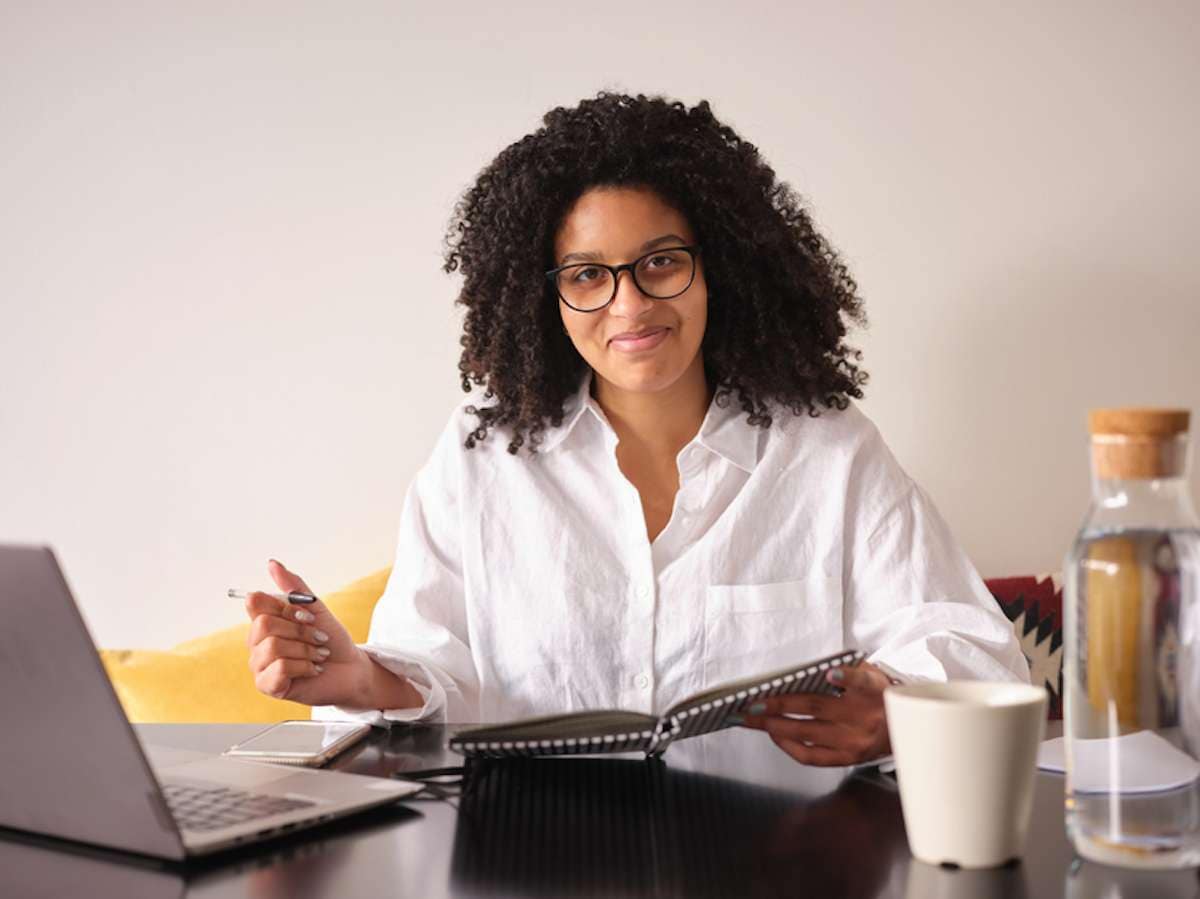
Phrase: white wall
(225, 335)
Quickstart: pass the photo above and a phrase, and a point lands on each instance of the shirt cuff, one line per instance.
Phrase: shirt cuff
(418, 675)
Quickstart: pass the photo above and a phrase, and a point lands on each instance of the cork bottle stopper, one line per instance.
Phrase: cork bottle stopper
(1138, 443)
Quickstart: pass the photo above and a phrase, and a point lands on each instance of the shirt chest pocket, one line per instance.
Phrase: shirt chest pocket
(757, 627)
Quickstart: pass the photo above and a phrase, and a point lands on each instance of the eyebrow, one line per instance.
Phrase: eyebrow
(650, 244)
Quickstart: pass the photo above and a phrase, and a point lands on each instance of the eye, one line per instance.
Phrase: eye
(586, 274)
(660, 261)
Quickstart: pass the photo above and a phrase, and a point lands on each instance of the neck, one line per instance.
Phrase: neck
(662, 422)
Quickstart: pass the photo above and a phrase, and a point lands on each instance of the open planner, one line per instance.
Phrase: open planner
(589, 733)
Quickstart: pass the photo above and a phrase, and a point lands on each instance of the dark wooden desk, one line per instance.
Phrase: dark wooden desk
(731, 816)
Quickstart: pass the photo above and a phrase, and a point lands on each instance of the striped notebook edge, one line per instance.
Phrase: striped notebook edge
(713, 714)
(631, 742)
(705, 717)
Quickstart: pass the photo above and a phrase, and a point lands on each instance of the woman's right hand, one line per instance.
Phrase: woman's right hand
(302, 652)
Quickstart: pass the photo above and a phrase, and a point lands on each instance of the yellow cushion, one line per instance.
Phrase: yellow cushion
(207, 679)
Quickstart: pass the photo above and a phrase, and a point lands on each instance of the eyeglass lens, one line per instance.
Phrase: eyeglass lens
(662, 275)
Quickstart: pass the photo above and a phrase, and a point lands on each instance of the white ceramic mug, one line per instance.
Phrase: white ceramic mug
(966, 757)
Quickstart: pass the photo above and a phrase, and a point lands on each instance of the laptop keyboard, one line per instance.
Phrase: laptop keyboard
(211, 808)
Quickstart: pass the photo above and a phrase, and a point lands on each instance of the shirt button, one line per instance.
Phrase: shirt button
(643, 591)
(642, 681)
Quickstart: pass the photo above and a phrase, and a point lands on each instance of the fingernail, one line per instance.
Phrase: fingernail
(734, 720)
(837, 675)
(321, 636)
(276, 561)
(757, 709)
(319, 668)
(306, 617)
(322, 653)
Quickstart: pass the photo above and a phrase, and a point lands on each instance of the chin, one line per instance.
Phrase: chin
(629, 379)
(644, 373)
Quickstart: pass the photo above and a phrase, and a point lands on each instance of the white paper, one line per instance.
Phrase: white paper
(1141, 762)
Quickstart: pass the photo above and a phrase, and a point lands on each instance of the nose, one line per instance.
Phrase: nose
(629, 302)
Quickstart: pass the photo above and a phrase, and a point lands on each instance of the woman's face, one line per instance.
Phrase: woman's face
(636, 343)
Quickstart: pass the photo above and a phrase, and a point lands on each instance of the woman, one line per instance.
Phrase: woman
(665, 484)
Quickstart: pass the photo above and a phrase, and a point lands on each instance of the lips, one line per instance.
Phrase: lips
(636, 341)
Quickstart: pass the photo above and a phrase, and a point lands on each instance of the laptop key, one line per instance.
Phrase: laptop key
(211, 808)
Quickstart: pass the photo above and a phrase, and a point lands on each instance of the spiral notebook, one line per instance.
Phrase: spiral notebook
(590, 733)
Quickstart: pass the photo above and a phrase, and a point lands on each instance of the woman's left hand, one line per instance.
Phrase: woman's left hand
(842, 730)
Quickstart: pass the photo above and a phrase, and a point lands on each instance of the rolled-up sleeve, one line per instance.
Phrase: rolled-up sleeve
(419, 626)
(916, 603)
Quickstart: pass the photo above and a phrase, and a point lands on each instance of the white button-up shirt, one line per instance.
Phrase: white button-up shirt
(526, 585)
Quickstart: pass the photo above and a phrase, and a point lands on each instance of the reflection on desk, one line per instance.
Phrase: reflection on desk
(315, 863)
(561, 827)
(726, 815)
(31, 866)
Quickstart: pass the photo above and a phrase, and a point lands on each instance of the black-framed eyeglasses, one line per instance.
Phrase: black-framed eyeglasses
(660, 274)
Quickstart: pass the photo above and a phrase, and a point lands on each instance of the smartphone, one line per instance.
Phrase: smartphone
(308, 743)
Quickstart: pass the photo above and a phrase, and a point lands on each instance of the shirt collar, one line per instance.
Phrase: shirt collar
(726, 432)
(723, 432)
(573, 409)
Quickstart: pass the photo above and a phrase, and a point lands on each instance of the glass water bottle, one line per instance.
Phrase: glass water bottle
(1130, 678)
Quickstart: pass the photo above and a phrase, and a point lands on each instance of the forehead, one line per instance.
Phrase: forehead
(617, 220)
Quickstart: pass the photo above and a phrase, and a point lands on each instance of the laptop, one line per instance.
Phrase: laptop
(71, 765)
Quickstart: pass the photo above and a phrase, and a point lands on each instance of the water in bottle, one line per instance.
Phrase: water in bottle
(1131, 680)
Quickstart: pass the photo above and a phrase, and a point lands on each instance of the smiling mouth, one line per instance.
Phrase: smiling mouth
(642, 340)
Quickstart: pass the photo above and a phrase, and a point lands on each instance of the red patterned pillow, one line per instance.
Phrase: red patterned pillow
(1034, 606)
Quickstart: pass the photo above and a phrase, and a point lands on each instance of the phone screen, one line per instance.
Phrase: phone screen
(300, 737)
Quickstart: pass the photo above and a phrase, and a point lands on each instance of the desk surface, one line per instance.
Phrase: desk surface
(725, 815)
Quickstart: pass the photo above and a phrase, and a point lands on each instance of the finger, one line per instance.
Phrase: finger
(861, 677)
(758, 722)
(272, 683)
(258, 603)
(263, 604)
(276, 679)
(296, 668)
(829, 708)
(813, 755)
(273, 626)
(273, 648)
(264, 626)
(286, 580)
(858, 744)
(819, 733)
(266, 604)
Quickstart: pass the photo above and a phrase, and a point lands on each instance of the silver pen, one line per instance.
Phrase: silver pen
(295, 597)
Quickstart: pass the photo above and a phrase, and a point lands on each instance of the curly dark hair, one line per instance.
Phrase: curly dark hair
(779, 298)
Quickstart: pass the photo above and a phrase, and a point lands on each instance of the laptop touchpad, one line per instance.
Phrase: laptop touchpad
(230, 772)
(163, 757)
